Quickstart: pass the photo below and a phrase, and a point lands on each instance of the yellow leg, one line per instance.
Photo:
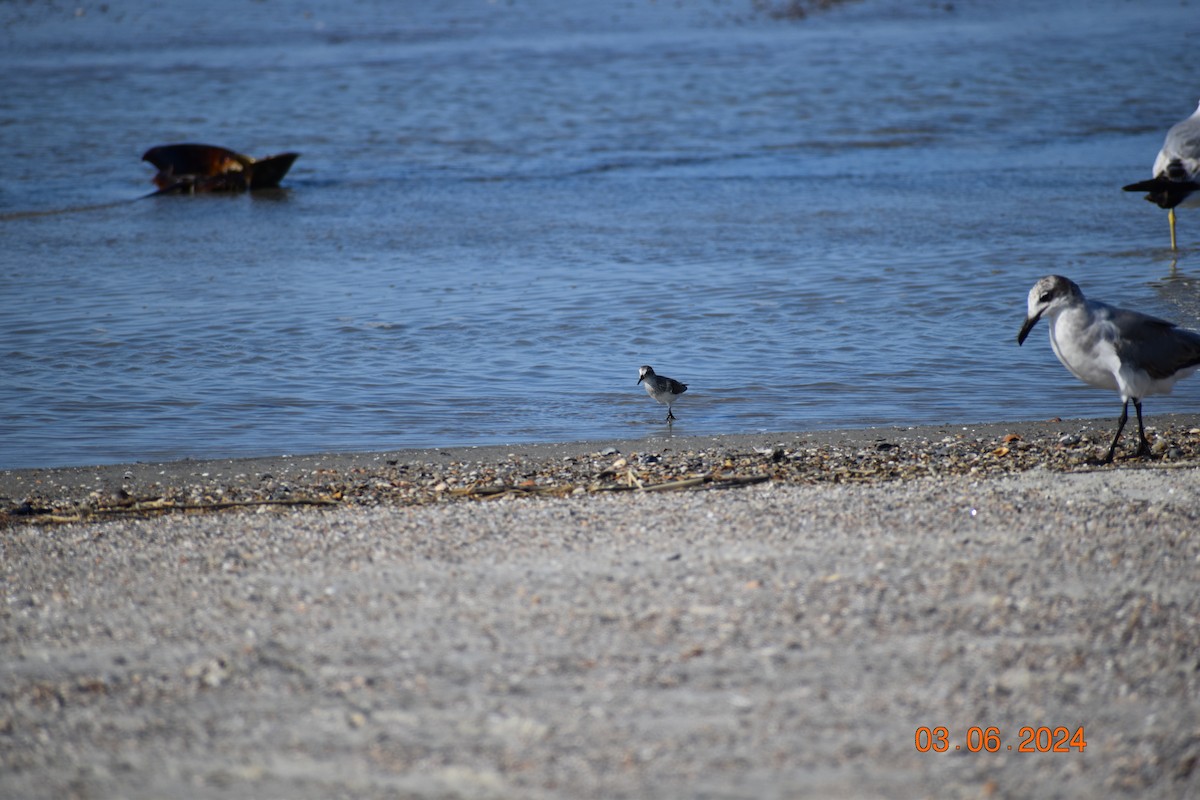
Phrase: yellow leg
(1171, 219)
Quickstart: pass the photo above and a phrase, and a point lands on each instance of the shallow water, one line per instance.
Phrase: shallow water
(501, 211)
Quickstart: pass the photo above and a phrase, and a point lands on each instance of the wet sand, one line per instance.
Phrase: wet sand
(621, 633)
(662, 459)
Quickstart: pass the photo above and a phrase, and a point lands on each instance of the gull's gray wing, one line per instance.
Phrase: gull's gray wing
(1159, 347)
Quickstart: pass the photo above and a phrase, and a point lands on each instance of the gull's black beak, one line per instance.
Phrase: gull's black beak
(1026, 328)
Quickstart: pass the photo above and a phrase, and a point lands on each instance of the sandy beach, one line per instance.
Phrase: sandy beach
(777, 615)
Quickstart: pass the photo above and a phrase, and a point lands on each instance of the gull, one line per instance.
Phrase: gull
(1176, 169)
(663, 389)
(1112, 348)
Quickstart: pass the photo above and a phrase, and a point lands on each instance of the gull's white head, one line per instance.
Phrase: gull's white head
(1050, 295)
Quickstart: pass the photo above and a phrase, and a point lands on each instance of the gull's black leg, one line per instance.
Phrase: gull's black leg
(1120, 427)
(1144, 447)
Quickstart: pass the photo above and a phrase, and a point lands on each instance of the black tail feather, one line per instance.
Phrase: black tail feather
(1164, 192)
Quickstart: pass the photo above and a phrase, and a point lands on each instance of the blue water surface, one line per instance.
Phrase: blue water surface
(502, 210)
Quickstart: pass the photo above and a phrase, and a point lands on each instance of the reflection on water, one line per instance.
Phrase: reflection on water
(501, 212)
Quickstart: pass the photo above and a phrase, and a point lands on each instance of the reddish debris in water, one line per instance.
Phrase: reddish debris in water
(189, 168)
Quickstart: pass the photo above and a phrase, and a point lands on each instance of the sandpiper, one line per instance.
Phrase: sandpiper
(663, 389)
(1112, 348)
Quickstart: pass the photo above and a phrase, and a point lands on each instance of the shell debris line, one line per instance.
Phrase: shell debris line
(891, 455)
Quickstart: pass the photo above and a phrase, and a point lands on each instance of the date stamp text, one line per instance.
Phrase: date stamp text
(1041, 739)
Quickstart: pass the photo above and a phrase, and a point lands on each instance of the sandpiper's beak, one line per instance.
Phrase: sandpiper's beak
(639, 380)
(1026, 328)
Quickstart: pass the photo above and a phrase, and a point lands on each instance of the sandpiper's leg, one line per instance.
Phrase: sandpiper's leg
(1144, 447)
(670, 416)
(1120, 427)
(1171, 219)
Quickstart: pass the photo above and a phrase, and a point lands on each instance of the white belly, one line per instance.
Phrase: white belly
(1088, 354)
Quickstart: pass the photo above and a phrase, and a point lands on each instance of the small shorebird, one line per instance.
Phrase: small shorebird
(1112, 348)
(663, 389)
(1176, 169)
